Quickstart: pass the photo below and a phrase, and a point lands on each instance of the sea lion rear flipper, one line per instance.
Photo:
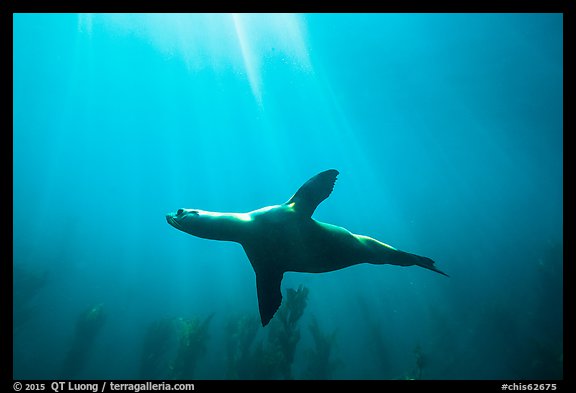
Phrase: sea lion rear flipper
(269, 294)
(314, 191)
(428, 263)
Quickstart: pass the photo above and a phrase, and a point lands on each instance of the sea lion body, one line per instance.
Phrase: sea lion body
(285, 238)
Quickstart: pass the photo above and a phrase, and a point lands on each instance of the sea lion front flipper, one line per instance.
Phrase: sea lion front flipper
(314, 191)
(269, 294)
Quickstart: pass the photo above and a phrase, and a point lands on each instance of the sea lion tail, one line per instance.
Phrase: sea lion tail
(428, 263)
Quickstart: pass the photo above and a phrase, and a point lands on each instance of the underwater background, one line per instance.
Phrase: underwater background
(446, 130)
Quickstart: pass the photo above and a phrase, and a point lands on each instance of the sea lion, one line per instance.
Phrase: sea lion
(285, 238)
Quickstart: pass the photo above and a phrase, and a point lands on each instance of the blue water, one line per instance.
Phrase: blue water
(446, 130)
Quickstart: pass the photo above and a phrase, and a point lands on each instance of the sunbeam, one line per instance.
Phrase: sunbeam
(242, 42)
(251, 62)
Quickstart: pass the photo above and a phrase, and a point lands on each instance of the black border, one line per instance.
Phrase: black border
(357, 6)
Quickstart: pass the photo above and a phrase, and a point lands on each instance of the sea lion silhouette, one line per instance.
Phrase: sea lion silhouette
(285, 238)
